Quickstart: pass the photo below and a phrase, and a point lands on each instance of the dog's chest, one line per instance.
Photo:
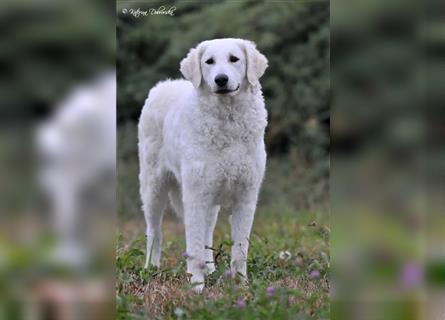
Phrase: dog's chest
(229, 132)
(232, 148)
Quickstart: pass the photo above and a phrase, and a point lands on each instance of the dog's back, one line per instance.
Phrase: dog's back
(159, 101)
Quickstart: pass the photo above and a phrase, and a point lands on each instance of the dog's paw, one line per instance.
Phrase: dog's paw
(196, 281)
(198, 287)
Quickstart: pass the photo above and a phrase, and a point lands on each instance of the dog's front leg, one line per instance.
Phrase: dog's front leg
(242, 219)
(195, 231)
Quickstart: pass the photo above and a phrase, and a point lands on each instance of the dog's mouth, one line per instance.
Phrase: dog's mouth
(224, 91)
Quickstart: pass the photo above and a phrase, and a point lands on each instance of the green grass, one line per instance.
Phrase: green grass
(165, 293)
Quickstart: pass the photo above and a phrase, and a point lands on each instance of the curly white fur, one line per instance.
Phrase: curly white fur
(202, 150)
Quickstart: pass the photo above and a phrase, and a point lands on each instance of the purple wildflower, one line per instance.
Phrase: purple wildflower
(412, 275)
(228, 274)
(185, 254)
(314, 274)
(241, 303)
(270, 291)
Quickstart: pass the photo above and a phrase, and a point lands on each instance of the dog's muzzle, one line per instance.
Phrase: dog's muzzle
(225, 90)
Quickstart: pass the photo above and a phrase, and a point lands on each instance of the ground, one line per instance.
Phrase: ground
(288, 269)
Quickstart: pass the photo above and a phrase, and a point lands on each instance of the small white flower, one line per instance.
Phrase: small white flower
(179, 312)
(285, 255)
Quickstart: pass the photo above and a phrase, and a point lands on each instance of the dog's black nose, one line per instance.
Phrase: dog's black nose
(221, 80)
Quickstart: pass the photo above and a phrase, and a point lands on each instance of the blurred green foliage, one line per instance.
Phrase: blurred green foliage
(387, 169)
(46, 48)
(294, 35)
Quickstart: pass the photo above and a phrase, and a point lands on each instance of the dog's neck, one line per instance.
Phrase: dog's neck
(229, 104)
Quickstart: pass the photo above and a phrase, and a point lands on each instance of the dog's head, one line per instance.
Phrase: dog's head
(224, 66)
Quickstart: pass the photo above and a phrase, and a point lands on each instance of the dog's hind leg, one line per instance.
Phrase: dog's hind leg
(154, 199)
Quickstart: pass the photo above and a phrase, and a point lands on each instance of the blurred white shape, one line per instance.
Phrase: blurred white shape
(285, 255)
(77, 146)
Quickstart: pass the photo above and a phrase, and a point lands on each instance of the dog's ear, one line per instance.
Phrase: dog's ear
(190, 67)
(256, 62)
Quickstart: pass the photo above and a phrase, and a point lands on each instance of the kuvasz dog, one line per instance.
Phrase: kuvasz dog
(201, 147)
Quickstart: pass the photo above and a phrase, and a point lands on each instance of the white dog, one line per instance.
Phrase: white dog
(201, 146)
(77, 146)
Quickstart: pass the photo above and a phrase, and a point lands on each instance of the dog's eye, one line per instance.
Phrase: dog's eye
(210, 61)
(233, 59)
